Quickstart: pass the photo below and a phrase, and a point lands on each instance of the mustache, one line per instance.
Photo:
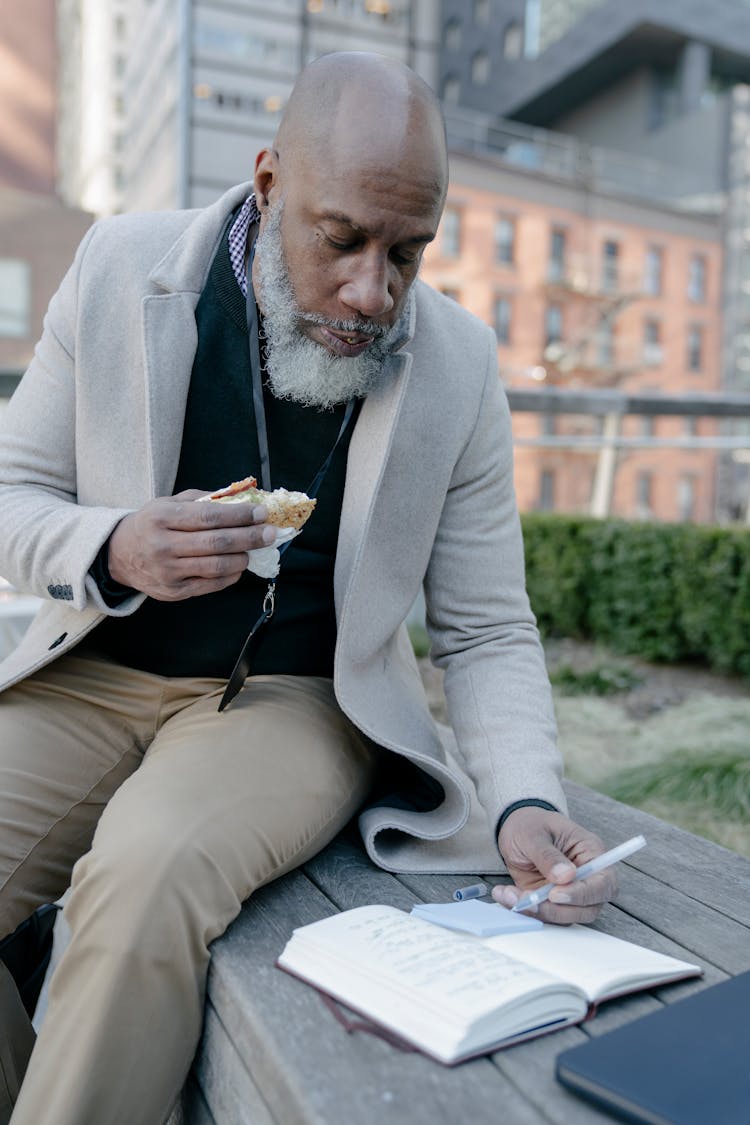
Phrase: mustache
(365, 328)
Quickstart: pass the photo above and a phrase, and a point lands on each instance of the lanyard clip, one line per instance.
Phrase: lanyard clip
(269, 602)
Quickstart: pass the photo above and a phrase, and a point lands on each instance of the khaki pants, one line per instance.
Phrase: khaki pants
(168, 815)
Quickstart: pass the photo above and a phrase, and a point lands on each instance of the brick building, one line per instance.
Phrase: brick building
(38, 234)
(587, 288)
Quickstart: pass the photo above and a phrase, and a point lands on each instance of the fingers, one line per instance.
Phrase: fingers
(541, 847)
(580, 901)
(223, 541)
(175, 548)
(181, 513)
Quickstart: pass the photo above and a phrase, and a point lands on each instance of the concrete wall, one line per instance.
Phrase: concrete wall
(619, 118)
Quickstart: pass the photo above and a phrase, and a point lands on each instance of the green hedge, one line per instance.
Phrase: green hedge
(666, 592)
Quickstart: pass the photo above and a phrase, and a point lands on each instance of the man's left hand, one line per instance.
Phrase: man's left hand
(546, 847)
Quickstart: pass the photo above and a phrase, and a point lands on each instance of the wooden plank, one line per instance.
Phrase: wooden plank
(531, 1068)
(349, 878)
(306, 1067)
(710, 936)
(225, 1085)
(702, 870)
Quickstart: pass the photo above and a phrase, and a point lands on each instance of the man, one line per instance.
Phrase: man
(113, 754)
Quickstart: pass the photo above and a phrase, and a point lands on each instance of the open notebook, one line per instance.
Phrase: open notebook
(454, 995)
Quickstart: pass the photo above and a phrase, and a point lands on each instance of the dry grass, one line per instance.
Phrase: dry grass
(688, 763)
(674, 741)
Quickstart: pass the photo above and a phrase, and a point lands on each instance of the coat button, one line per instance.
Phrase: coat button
(57, 641)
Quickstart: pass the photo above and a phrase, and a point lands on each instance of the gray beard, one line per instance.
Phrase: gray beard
(298, 368)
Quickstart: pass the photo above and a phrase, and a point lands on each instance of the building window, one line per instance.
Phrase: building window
(653, 354)
(451, 89)
(452, 35)
(648, 425)
(556, 263)
(605, 344)
(690, 427)
(482, 11)
(553, 325)
(548, 424)
(686, 498)
(15, 298)
(643, 490)
(610, 258)
(652, 274)
(505, 238)
(502, 320)
(664, 103)
(480, 68)
(450, 239)
(697, 278)
(513, 41)
(695, 348)
(547, 490)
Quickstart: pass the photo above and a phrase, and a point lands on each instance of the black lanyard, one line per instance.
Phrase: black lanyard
(244, 660)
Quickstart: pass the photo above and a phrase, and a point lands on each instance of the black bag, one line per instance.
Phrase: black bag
(26, 953)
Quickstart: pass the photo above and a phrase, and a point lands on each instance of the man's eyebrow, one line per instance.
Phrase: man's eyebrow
(347, 221)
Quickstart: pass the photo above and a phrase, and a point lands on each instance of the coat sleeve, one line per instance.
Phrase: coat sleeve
(481, 625)
(47, 540)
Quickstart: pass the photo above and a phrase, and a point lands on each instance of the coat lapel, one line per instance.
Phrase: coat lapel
(368, 455)
(170, 338)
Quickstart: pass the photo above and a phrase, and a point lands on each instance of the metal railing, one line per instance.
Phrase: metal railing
(565, 157)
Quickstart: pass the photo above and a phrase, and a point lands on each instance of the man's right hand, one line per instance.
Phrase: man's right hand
(173, 548)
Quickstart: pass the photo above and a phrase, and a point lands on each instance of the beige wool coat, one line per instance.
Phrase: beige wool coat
(94, 430)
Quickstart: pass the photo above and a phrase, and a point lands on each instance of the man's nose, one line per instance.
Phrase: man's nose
(366, 291)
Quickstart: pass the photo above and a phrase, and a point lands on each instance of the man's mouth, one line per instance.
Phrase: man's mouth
(347, 344)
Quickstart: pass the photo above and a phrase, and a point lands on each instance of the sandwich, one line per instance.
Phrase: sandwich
(285, 509)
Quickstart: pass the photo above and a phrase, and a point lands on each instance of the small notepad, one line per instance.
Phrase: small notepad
(483, 919)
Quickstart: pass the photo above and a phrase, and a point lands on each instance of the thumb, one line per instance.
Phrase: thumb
(553, 864)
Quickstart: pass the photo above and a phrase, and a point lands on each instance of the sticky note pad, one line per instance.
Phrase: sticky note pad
(483, 919)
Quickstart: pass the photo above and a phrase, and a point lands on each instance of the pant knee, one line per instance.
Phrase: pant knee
(151, 896)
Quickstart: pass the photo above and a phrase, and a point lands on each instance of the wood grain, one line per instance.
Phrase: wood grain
(273, 1054)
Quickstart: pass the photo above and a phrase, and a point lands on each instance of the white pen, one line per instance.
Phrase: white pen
(622, 851)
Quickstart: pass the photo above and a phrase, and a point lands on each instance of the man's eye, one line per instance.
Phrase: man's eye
(343, 246)
(404, 258)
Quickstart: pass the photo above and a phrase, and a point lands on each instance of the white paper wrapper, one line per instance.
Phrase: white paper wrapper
(265, 561)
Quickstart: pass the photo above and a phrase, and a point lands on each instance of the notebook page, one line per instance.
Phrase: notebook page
(598, 963)
(422, 980)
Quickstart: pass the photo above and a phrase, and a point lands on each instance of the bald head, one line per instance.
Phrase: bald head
(354, 106)
(351, 193)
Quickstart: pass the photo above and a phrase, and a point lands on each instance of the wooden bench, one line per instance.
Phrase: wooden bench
(272, 1053)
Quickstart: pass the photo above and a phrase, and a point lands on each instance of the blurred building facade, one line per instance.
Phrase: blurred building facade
(166, 102)
(605, 246)
(589, 288)
(38, 233)
(28, 95)
(93, 38)
(645, 100)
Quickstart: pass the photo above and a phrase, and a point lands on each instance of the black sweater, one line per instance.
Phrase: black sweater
(203, 636)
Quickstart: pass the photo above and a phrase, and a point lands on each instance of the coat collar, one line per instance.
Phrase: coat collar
(184, 268)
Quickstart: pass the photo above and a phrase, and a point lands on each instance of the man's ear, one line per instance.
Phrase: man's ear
(266, 176)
